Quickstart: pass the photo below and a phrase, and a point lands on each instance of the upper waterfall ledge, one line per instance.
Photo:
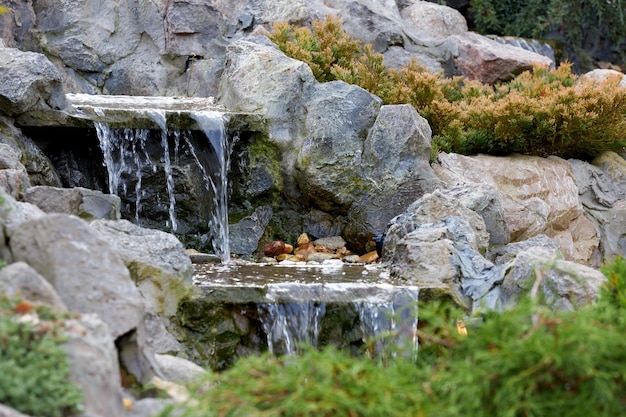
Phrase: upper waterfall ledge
(120, 111)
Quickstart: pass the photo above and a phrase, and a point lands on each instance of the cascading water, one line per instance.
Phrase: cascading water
(387, 318)
(126, 157)
(124, 152)
(290, 325)
(212, 124)
(159, 118)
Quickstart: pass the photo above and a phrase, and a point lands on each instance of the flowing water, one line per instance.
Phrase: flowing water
(252, 307)
(126, 157)
(319, 305)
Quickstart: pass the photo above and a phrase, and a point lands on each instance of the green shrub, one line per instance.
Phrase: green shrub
(525, 361)
(34, 370)
(541, 112)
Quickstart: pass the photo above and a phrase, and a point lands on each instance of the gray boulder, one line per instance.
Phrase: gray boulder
(82, 202)
(260, 78)
(443, 255)
(246, 233)
(559, 284)
(39, 168)
(434, 207)
(338, 118)
(28, 83)
(19, 280)
(156, 260)
(602, 189)
(395, 171)
(88, 275)
(179, 370)
(94, 366)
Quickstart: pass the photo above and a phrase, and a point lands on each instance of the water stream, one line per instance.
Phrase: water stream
(126, 156)
(249, 308)
(318, 305)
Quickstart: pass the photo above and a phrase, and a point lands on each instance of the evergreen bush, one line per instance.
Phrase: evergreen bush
(34, 369)
(541, 112)
(525, 361)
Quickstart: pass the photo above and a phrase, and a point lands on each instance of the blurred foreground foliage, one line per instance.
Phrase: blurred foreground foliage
(34, 368)
(541, 112)
(525, 361)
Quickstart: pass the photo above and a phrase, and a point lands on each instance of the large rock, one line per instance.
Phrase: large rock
(539, 196)
(19, 280)
(434, 207)
(87, 273)
(602, 188)
(13, 213)
(82, 202)
(13, 176)
(396, 172)
(480, 58)
(28, 83)
(434, 19)
(260, 78)
(39, 168)
(94, 366)
(246, 233)
(156, 260)
(560, 284)
(339, 116)
(442, 254)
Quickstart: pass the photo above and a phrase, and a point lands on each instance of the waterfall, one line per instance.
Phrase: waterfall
(159, 118)
(124, 152)
(125, 157)
(212, 124)
(387, 322)
(289, 325)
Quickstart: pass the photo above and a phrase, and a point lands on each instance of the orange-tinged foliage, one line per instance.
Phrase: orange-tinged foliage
(540, 112)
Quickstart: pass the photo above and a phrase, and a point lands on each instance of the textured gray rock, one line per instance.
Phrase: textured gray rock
(179, 370)
(156, 260)
(259, 78)
(602, 189)
(560, 284)
(82, 202)
(13, 213)
(338, 117)
(395, 170)
(40, 170)
(442, 254)
(94, 366)
(434, 19)
(13, 176)
(28, 83)
(88, 275)
(246, 233)
(19, 280)
(434, 207)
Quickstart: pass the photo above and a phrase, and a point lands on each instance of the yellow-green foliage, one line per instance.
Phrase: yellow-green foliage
(540, 112)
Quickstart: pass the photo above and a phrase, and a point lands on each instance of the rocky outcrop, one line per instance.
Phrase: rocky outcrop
(142, 48)
(539, 196)
(480, 58)
(82, 202)
(86, 284)
(29, 83)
